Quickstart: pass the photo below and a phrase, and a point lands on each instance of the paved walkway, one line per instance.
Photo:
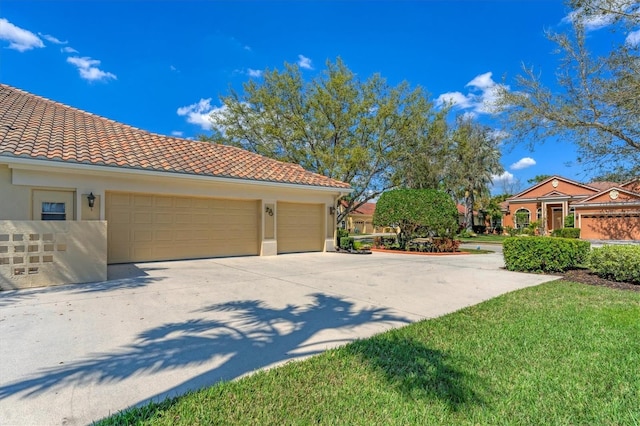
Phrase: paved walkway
(74, 354)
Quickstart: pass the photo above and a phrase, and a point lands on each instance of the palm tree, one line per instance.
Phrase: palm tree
(475, 158)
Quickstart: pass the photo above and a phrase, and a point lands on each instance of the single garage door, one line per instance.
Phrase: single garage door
(300, 227)
(148, 227)
(610, 227)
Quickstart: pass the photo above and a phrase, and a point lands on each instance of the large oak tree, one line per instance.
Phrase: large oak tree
(357, 131)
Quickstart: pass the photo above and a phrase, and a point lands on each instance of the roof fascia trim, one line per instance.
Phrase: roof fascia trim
(30, 164)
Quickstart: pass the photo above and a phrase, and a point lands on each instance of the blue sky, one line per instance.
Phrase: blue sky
(162, 65)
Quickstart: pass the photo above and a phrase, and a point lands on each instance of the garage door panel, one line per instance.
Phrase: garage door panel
(142, 201)
(300, 227)
(145, 227)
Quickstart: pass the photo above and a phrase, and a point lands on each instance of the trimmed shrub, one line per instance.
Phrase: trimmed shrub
(566, 233)
(342, 233)
(417, 212)
(445, 245)
(569, 221)
(346, 243)
(479, 229)
(543, 254)
(618, 263)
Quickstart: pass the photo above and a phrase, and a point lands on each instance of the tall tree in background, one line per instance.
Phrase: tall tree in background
(475, 155)
(537, 179)
(598, 104)
(335, 125)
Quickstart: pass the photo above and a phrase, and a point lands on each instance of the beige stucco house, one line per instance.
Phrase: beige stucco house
(79, 191)
(602, 210)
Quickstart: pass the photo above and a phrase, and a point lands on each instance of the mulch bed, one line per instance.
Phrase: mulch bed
(585, 276)
(423, 253)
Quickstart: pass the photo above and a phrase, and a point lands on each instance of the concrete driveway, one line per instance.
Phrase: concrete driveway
(74, 354)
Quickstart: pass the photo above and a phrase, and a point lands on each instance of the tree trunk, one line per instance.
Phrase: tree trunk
(468, 214)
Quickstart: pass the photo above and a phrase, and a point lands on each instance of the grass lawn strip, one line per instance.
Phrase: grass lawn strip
(558, 353)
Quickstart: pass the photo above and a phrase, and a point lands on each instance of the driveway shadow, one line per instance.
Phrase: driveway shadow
(255, 336)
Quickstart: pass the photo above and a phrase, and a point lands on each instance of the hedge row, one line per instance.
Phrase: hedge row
(566, 233)
(618, 263)
(543, 254)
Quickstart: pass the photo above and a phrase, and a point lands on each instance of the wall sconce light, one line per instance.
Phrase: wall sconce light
(268, 210)
(332, 210)
(91, 199)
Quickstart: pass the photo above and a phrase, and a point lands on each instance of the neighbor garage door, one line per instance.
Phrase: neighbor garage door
(300, 227)
(610, 227)
(147, 227)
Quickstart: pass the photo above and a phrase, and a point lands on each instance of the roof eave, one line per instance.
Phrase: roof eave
(29, 163)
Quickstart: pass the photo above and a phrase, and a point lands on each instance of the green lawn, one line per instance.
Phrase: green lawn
(559, 353)
(482, 238)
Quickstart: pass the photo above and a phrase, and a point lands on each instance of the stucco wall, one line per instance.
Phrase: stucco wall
(19, 182)
(15, 201)
(47, 253)
(563, 187)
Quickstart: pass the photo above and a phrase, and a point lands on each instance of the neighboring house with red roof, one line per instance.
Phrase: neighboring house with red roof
(78, 191)
(360, 220)
(602, 210)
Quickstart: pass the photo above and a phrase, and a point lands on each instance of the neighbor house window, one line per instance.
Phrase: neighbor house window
(53, 211)
(539, 214)
(523, 217)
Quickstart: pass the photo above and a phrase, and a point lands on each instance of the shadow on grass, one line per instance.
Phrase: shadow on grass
(416, 371)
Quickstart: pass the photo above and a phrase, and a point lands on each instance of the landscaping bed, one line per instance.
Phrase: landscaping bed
(585, 276)
(423, 253)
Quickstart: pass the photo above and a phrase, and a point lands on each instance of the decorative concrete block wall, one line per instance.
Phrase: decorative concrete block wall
(48, 253)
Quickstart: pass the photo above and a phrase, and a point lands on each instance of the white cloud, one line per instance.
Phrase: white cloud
(68, 49)
(52, 39)
(88, 69)
(19, 39)
(254, 73)
(482, 81)
(523, 163)
(200, 113)
(499, 134)
(483, 92)
(505, 178)
(456, 98)
(304, 62)
(177, 133)
(633, 38)
(592, 22)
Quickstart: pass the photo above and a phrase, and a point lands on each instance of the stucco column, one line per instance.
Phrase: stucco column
(268, 241)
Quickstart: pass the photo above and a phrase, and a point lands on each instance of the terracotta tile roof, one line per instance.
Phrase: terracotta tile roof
(602, 186)
(366, 209)
(37, 128)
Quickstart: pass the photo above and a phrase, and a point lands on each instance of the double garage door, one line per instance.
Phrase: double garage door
(610, 227)
(147, 227)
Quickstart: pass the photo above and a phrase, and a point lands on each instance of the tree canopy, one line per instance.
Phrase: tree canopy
(336, 125)
(597, 105)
